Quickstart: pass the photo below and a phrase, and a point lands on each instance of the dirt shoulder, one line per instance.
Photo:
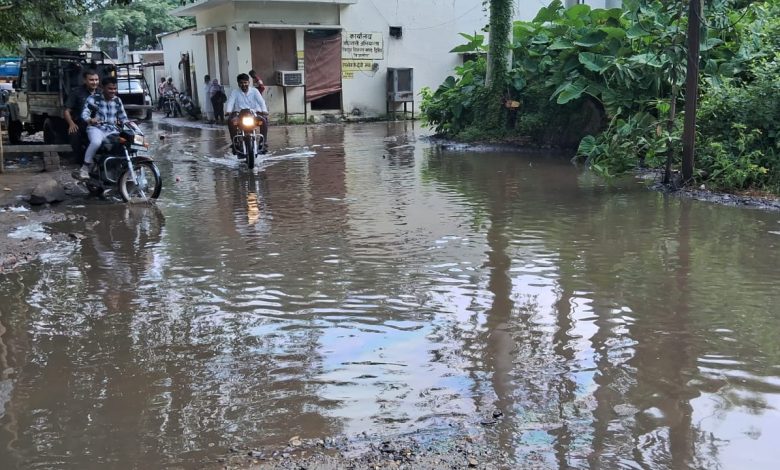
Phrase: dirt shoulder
(23, 232)
(763, 201)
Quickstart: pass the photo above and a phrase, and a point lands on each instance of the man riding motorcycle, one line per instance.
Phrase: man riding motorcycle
(109, 113)
(246, 97)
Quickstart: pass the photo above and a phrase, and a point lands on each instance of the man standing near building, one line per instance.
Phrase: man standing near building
(74, 104)
(246, 97)
(208, 109)
(109, 115)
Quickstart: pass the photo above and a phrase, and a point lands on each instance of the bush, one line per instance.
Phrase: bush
(739, 124)
(451, 108)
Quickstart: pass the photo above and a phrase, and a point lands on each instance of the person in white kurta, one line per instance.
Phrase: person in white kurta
(246, 97)
(208, 109)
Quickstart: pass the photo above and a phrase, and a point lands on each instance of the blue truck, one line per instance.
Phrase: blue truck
(9, 69)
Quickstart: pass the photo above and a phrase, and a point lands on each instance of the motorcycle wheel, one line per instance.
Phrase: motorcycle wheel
(250, 152)
(149, 187)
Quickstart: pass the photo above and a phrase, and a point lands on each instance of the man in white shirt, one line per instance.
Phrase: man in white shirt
(246, 97)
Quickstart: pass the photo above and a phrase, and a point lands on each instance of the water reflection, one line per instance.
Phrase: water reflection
(365, 281)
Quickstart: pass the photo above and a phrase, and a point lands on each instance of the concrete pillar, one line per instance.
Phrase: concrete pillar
(51, 161)
(240, 57)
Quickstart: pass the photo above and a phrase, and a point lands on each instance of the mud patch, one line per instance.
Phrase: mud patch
(455, 450)
(25, 234)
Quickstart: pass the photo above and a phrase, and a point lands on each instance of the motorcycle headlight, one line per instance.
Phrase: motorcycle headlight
(138, 140)
(248, 121)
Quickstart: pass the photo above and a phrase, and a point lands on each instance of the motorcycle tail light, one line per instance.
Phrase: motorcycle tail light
(248, 121)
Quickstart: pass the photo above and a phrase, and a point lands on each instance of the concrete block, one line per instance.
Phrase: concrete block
(51, 161)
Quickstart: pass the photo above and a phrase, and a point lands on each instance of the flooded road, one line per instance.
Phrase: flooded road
(363, 280)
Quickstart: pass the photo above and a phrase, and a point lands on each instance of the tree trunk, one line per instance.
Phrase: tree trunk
(691, 91)
(498, 62)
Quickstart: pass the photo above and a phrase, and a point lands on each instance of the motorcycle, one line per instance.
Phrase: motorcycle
(249, 140)
(120, 166)
(186, 104)
(170, 106)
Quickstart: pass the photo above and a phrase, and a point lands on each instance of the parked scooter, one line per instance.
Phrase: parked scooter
(122, 165)
(249, 140)
(187, 105)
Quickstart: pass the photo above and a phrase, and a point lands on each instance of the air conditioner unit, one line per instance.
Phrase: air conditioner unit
(289, 77)
(399, 85)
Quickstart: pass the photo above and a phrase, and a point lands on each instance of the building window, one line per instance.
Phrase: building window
(396, 32)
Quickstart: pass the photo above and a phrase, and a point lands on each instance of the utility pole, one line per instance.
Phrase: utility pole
(691, 90)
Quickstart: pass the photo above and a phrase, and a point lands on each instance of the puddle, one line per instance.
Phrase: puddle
(33, 231)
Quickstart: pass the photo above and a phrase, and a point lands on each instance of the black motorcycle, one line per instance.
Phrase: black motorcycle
(248, 141)
(122, 165)
(170, 105)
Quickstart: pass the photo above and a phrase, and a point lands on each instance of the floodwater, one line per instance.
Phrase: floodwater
(363, 280)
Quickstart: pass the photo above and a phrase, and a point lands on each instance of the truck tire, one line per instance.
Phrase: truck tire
(14, 132)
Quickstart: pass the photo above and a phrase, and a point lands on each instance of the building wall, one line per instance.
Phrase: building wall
(596, 3)
(429, 31)
(152, 73)
(176, 44)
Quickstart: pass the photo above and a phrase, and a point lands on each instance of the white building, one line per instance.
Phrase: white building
(343, 52)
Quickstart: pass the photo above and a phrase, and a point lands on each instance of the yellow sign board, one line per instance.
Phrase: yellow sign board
(350, 66)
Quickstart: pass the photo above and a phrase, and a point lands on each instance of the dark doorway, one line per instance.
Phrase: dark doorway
(184, 66)
(327, 102)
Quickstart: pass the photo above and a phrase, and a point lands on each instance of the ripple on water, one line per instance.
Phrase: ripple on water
(373, 285)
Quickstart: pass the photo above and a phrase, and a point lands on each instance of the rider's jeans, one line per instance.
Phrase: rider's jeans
(96, 136)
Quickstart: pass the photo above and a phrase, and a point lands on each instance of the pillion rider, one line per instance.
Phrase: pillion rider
(77, 127)
(246, 97)
(102, 112)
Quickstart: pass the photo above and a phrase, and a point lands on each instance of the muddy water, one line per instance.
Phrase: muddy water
(363, 281)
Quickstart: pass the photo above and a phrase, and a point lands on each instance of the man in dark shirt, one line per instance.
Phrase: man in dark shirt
(77, 128)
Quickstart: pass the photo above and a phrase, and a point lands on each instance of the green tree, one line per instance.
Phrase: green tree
(141, 21)
(44, 21)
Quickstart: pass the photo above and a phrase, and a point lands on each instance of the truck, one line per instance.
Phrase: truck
(46, 77)
(9, 70)
(133, 89)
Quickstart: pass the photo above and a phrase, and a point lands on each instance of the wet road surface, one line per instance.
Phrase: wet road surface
(362, 280)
